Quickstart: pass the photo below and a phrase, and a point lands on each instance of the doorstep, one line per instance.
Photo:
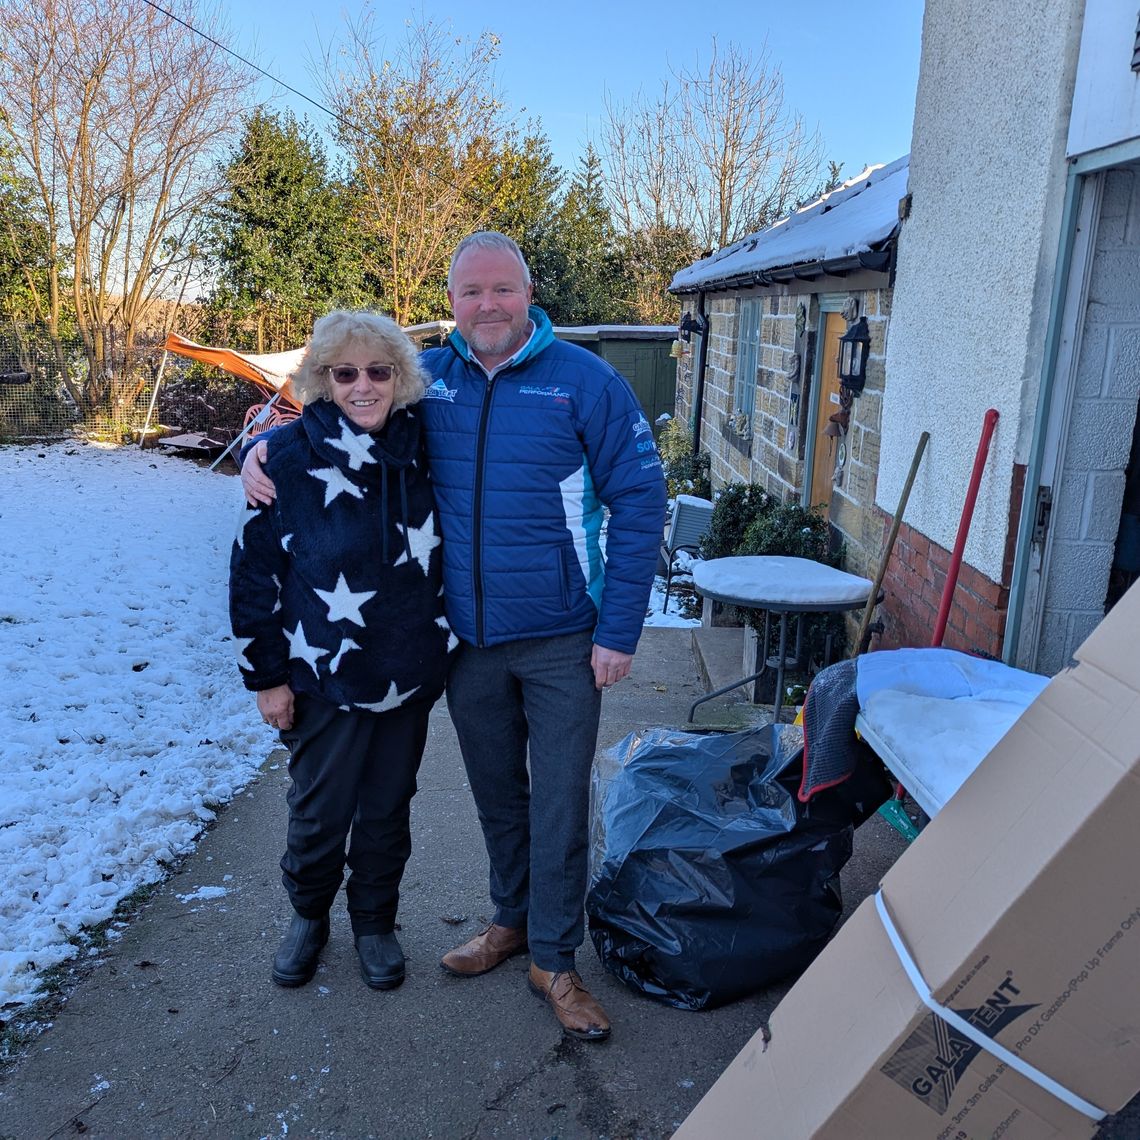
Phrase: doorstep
(719, 651)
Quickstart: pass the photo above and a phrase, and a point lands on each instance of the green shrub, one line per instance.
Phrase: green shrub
(685, 473)
(747, 520)
(796, 532)
(790, 530)
(738, 506)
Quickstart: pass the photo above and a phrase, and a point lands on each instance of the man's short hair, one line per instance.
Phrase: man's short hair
(486, 239)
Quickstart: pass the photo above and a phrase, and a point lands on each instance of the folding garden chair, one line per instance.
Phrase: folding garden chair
(687, 526)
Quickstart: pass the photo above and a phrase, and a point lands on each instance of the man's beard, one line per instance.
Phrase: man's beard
(493, 343)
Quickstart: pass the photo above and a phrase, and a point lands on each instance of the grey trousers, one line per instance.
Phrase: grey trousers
(535, 695)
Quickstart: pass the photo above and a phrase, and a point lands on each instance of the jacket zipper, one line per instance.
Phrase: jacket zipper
(477, 521)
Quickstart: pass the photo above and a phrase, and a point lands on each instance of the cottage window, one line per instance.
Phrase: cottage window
(747, 358)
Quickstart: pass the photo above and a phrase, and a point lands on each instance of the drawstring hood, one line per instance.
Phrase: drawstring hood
(384, 513)
(404, 513)
(367, 458)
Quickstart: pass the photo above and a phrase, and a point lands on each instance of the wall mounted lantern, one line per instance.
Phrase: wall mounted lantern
(693, 323)
(854, 348)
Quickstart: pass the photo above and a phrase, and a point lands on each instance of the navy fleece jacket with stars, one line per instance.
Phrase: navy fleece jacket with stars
(336, 589)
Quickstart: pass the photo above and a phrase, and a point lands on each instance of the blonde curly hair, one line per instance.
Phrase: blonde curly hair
(333, 333)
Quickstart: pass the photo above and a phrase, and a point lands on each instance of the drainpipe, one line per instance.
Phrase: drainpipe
(699, 377)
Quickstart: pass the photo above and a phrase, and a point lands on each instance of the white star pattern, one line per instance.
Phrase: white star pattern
(302, 650)
(345, 646)
(391, 701)
(343, 604)
(243, 643)
(277, 583)
(285, 540)
(336, 484)
(452, 640)
(422, 540)
(247, 516)
(358, 448)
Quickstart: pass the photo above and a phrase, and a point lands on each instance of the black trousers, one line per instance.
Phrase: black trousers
(352, 771)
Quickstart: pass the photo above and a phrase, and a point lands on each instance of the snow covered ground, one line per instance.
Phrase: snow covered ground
(123, 720)
(682, 576)
(123, 723)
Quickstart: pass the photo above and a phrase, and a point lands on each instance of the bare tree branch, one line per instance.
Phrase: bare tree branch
(423, 128)
(117, 113)
(716, 153)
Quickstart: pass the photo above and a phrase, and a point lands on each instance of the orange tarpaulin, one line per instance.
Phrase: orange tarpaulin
(269, 371)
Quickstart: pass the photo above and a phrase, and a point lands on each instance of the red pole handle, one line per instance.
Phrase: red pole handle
(988, 424)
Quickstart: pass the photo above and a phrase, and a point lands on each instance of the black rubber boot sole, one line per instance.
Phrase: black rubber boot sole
(291, 981)
(385, 983)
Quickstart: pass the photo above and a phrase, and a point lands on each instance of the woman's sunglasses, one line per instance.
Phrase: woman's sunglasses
(347, 373)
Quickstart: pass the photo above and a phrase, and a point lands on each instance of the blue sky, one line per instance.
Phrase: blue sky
(851, 70)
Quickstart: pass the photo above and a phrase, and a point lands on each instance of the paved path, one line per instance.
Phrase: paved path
(178, 1031)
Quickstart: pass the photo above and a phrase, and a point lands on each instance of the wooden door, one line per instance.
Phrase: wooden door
(651, 372)
(826, 446)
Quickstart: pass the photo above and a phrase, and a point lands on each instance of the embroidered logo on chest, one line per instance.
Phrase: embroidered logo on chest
(440, 391)
(551, 392)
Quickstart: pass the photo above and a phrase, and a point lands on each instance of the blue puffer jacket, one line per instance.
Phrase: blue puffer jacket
(522, 465)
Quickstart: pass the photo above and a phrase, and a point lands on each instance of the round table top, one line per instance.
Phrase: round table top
(780, 583)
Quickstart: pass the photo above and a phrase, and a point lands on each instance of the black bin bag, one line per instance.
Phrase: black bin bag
(709, 879)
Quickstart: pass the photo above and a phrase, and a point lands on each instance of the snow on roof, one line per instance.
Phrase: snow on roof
(616, 332)
(849, 220)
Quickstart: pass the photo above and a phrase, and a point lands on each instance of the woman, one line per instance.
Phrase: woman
(336, 602)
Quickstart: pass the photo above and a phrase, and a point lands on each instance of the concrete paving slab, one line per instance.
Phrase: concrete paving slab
(177, 1031)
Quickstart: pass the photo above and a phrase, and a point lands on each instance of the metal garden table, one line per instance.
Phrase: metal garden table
(778, 585)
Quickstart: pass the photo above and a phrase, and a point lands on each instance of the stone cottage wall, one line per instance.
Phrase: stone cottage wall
(729, 453)
(853, 515)
(771, 449)
(762, 451)
(777, 454)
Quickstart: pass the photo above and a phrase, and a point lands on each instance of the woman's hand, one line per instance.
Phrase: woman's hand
(276, 706)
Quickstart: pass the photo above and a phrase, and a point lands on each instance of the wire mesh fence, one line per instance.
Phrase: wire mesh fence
(33, 400)
(36, 403)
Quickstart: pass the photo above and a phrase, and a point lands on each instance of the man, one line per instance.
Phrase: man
(528, 437)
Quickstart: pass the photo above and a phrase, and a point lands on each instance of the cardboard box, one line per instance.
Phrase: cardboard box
(1020, 904)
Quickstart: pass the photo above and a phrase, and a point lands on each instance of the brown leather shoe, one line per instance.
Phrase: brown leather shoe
(578, 1012)
(488, 949)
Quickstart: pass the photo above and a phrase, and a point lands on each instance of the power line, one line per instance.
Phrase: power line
(253, 66)
(347, 124)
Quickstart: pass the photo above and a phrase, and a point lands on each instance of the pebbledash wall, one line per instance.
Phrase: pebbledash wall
(771, 450)
(976, 267)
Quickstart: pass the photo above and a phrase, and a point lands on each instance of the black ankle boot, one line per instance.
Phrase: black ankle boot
(381, 960)
(296, 959)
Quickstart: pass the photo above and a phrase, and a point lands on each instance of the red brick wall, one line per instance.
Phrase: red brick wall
(915, 578)
(913, 584)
